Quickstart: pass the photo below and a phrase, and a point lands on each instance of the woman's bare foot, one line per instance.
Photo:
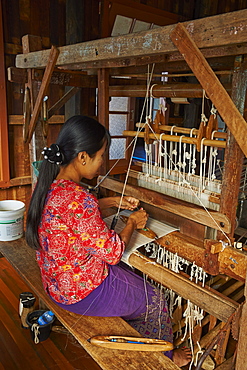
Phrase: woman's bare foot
(181, 356)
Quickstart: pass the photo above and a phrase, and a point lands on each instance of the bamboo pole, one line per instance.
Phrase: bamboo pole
(184, 130)
(174, 138)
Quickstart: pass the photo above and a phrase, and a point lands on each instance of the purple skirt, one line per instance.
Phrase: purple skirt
(127, 295)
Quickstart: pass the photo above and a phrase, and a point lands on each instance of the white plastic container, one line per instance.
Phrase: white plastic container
(11, 219)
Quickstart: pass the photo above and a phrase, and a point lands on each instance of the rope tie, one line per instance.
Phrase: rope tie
(213, 111)
(204, 119)
(35, 329)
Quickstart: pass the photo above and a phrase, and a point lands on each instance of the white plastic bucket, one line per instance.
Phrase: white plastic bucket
(11, 219)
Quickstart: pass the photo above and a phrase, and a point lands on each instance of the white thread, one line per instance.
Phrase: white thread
(200, 352)
(151, 90)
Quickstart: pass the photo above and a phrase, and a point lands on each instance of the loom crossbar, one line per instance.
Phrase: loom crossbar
(212, 302)
(177, 139)
(181, 208)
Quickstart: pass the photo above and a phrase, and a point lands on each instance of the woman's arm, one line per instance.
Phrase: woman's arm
(105, 203)
(129, 203)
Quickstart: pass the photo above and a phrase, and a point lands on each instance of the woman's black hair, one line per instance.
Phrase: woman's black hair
(78, 134)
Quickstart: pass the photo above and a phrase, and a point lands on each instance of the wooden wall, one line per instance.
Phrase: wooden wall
(60, 22)
(192, 9)
(53, 21)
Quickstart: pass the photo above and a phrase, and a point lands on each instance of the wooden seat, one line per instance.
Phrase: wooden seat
(22, 258)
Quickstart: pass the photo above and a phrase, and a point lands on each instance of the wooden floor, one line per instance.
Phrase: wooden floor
(17, 349)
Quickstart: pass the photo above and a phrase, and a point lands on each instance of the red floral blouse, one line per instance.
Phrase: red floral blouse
(76, 244)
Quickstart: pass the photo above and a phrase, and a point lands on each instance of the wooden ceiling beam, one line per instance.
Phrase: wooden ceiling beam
(165, 62)
(59, 77)
(216, 31)
(216, 63)
(185, 90)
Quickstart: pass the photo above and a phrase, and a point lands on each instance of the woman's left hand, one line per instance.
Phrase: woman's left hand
(129, 203)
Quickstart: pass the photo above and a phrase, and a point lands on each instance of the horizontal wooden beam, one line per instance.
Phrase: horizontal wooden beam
(206, 298)
(192, 212)
(17, 119)
(215, 31)
(184, 130)
(158, 91)
(219, 58)
(59, 77)
(176, 138)
(185, 90)
(22, 180)
(192, 250)
(233, 262)
(16, 181)
(167, 63)
(228, 261)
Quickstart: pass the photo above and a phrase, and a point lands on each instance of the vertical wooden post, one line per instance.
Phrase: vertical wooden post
(241, 363)
(233, 158)
(4, 148)
(103, 106)
(74, 34)
(33, 43)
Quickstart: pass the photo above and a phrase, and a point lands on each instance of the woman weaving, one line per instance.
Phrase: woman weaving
(78, 255)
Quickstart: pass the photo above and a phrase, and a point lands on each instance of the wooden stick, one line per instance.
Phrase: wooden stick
(62, 101)
(241, 354)
(167, 203)
(184, 130)
(211, 84)
(233, 262)
(43, 88)
(26, 113)
(176, 138)
(131, 343)
(212, 302)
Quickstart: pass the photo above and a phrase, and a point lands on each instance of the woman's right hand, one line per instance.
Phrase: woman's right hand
(139, 218)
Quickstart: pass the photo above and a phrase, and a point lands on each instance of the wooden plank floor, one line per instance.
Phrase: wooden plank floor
(17, 349)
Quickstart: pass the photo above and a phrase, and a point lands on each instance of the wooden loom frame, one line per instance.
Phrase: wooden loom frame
(207, 37)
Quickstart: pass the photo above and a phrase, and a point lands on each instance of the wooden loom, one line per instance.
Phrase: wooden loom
(199, 237)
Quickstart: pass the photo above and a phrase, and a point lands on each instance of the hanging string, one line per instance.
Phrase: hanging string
(134, 140)
(200, 352)
(157, 136)
(169, 156)
(131, 157)
(151, 90)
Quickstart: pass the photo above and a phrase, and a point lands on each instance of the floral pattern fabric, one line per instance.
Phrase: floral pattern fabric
(76, 244)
